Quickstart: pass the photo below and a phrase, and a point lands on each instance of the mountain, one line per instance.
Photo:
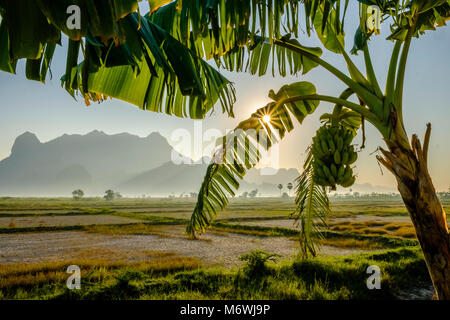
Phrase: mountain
(92, 162)
(126, 163)
(166, 179)
(271, 175)
(171, 178)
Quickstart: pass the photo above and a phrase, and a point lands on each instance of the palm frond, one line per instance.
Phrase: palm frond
(312, 209)
(241, 150)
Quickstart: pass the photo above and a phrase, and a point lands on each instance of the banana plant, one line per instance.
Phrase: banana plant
(158, 62)
(406, 160)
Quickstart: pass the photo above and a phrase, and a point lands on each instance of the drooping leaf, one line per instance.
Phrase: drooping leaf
(260, 54)
(37, 69)
(360, 41)
(328, 34)
(155, 4)
(218, 27)
(28, 29)
(153, 71)
(6, 62)
(99, 16)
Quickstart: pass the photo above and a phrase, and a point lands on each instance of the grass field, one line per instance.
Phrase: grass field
(137, 249)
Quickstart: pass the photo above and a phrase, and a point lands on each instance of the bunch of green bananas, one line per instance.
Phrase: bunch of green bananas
(333, 155)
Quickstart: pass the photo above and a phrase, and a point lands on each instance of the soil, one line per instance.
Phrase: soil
(48, 221)
(219, 248)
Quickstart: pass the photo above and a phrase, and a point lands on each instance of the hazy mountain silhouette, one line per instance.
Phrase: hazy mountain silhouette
(185, 178)
(127, 163)
(92, 161)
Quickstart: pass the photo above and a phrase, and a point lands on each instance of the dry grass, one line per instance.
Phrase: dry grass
(352, 243)
(31, 275)
(138, 229)
(371, 227)
(115, 254)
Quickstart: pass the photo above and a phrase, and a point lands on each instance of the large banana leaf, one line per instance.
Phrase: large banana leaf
(260, 55)
(216, 27)
(153, 71)
(241, 150)
(98, 16)
(28, 29)
(125, 56)
(6, 63)
(327, 27)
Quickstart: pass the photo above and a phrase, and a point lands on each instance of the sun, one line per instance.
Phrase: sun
(266, 119)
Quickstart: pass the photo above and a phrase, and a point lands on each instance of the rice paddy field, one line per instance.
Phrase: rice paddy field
(137, 249)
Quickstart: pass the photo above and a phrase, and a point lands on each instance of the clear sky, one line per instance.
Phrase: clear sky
(48, 111)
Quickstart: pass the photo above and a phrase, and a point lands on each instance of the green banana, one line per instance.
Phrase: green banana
(341, 172)
(349, 182)
(352, 158)
(324, 146)
(333, 170)
(337, 157)
(319, 162)
(347, 173)
(340, 144)
(319, 172)
(348, 138)
(331, 145)
(345, 157)
(326, 171)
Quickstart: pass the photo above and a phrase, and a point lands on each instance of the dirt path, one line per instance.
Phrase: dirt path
(214, 248)
(63, 220)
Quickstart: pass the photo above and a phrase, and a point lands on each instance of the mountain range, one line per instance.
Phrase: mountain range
(97, 161)
(126, 163)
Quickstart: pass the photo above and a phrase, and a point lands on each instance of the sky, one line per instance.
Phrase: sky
(49, 111)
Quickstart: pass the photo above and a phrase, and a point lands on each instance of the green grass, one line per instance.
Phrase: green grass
(175, 277)
(184, 278)
(377, 241)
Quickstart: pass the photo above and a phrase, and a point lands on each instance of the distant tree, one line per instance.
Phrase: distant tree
(244, 194)
(78, 194)
(117, 195)
(253, 193)
(109, 195)
(285, 195)
(280, 186)
(193, 195)
(356, 194)
(289, 186)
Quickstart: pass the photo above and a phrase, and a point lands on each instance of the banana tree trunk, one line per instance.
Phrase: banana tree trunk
(408, 163)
